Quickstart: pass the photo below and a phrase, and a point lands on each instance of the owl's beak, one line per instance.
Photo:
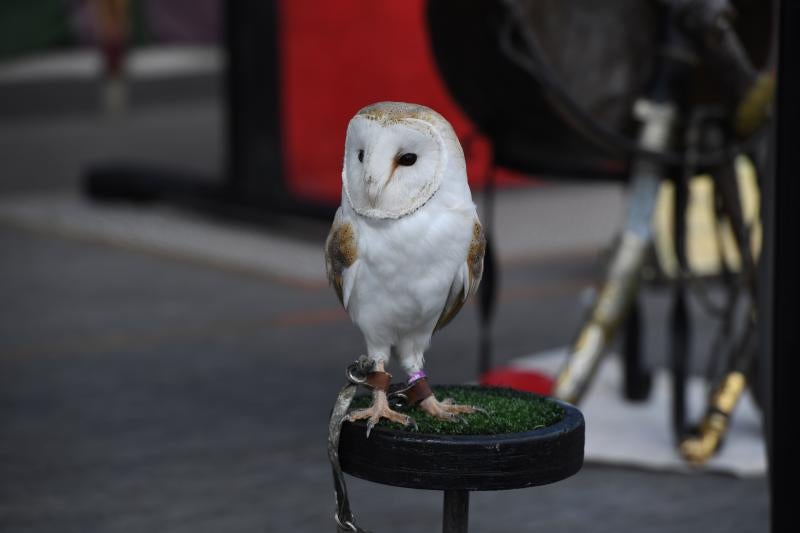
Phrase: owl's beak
(373, 191)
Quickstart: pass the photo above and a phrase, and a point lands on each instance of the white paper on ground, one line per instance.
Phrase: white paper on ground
(639, 434)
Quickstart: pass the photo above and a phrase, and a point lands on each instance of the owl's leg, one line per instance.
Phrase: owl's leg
(446, 409)
(380, 404)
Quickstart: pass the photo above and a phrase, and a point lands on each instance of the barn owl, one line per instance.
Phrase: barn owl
(406, 246)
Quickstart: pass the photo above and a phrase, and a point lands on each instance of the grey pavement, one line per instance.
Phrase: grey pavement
(143, 392)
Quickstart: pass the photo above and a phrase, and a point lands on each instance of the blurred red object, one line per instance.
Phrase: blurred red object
(337, 57)
(112, 22)
(523, 380)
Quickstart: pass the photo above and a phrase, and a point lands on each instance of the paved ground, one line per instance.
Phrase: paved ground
(142, 393)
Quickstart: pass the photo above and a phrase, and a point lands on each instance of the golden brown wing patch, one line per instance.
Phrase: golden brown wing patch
(449, 312)
(455, 301)
(477, 249)
(340, 253)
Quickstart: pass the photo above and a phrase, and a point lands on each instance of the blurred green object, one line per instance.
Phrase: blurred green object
(31, 25)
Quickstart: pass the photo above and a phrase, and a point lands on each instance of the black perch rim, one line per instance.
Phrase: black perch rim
(465, 462)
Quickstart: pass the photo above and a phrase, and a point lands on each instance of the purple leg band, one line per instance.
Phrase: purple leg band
(416, 376)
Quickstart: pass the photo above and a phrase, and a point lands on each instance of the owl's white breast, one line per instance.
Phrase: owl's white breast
(408, 265)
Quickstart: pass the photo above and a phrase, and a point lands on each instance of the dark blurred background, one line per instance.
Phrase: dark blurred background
(169, 348)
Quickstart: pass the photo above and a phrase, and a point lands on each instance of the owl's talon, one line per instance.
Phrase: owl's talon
(448, 410)
(461, 420)
(458, 418)
(480, 410)
(380, 409)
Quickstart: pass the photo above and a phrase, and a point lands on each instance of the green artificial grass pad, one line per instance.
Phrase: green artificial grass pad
(509, 412)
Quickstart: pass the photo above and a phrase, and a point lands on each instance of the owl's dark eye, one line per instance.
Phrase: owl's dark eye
(361, 156)
(407, 160)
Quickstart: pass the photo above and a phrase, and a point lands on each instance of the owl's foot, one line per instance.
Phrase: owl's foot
(447, 409)
(380, 409)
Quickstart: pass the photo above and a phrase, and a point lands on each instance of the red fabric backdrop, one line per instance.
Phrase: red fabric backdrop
(338, 56)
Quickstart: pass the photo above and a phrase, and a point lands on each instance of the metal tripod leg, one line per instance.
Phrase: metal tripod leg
(615, 297)
(638, 379)
(700, 447)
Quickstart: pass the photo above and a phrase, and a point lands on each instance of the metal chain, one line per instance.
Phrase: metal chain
(356, 375)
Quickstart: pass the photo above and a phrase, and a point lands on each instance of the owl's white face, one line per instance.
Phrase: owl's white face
(393, 161)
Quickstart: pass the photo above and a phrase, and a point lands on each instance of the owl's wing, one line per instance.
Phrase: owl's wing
(467, 278)
(341, 256)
